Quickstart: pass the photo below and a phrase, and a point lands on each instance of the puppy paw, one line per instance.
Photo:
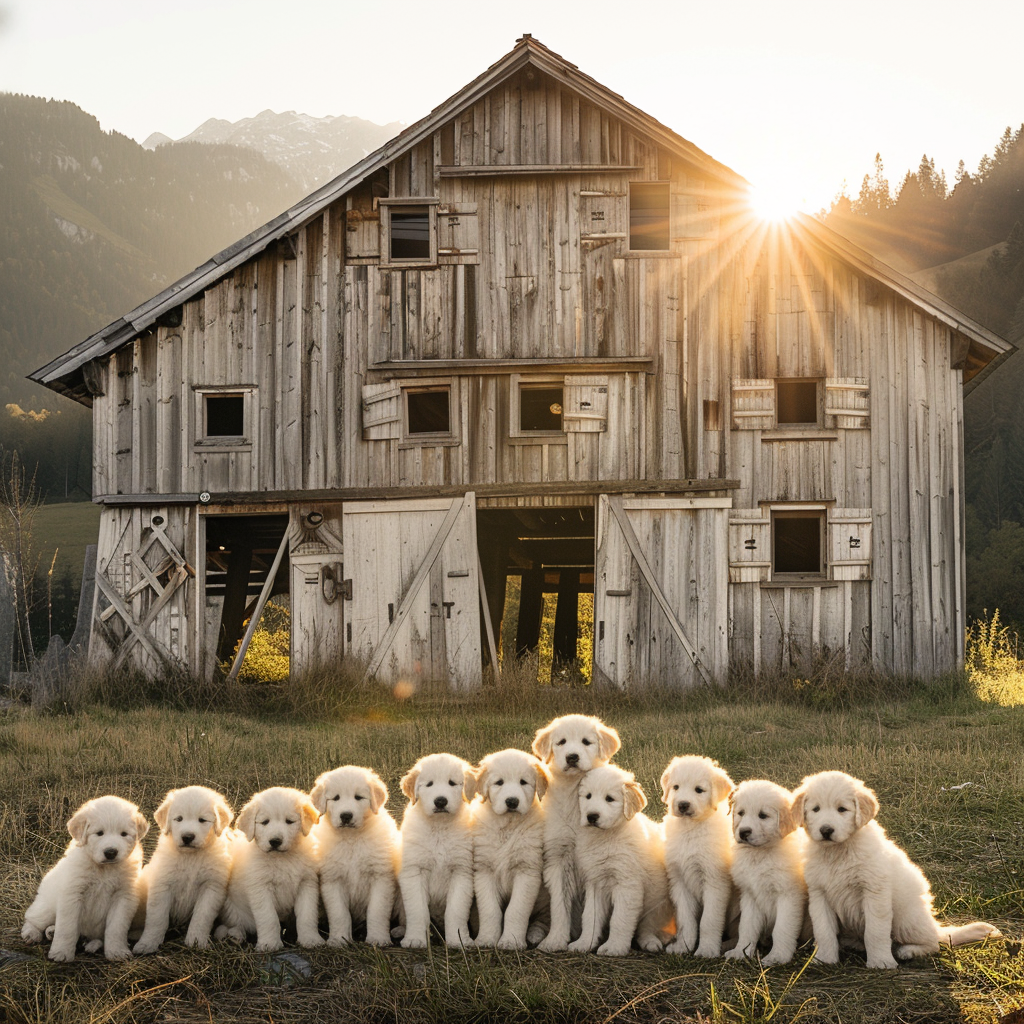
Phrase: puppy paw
(679, 948)
(414, 942)
(550, 945)
(31, 934)
(145, 946)
(650, 944)
(579, 946)
(269, 946)
(734, 954)
(771, 960)
(340, 941)
(117, 952)
(485, 940)
(194, 942)
(826, 958)
(50, 932)
(460, 943)
(311, 941)
(93, 946)
(383, 940)
(613, 949)
(882, 963)
(708, 951)
(509, 942)
(62, 955)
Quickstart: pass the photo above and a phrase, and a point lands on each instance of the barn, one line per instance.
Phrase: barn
(536, 345)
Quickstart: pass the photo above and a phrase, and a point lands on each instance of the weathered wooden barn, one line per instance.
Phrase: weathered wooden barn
(539, 336)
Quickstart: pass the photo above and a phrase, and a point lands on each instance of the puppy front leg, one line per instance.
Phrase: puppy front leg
(595, 913)
(158, 912)
(556, 878)
(488, 906)
(307, 910)
(752, 922)
(457, 908)
(378, 911)
(417, 909)
(878, 929)
(525, 890)
(687, 908)
(712, 921)
(268, 924)
(65, 927)
(119, 920)
(626, 906)
(789, 919)
(208, 904)
(339, 917)
(825, 923)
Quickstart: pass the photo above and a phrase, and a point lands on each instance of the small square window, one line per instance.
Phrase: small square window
(410, 233)
(428, 412)
(649, 215)
(540, 408)
(797, 402)
(224, 415)
(798, 544)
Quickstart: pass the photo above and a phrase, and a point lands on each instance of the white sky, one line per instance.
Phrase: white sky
(796, 95)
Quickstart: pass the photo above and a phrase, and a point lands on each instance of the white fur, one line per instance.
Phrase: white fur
(861, 885)
(621, 856)
(768, 870)
(92, 892)
(274, 871)
(569, 746)
(698, 852)
(436, 874)
(359, 852)
(508, 846)
(186, 879)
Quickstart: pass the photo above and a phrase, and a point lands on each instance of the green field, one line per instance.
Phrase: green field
(65, 529)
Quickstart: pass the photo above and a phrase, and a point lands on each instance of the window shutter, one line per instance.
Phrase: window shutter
(585, 404)
(458, 233)
(849, 543)
(750, 538)
(753, 404)
(382, 411)
(847, 402)
(602, 216)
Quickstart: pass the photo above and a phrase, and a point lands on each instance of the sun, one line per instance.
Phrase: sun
(776, 200)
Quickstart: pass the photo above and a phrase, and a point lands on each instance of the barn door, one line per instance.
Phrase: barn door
(317, 569)
(414, 610)
(661, 590)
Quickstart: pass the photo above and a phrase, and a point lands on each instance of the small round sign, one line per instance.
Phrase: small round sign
(205, 497)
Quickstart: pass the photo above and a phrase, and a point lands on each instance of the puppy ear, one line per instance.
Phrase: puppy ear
(542, 743)
(310, 816)
(796, 809)
(378, 793)
(246, 822)
(543, 779)
(79, 824)
(608, 741)
(408, 783)
(666, 777)
(483, 770)
(223, 814)
(470, 781)
(867, 805)
(721, 784)
(318, 794)
(634, 799)
(787, 819)
(141, 825)
(163, 812)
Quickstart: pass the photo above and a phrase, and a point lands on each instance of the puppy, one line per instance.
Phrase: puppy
(768, 870)
(186, 879)
(274, 871)
(621, 856)
(359, 849)
(569, 747)
(698, 852)
(508, 846)
(436, 874)
(861, 885)
(93, 890)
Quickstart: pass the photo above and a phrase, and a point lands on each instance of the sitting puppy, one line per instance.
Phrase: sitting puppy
(93, 890)
(861, 885)
(569, 747)
(698, 852)
(768, 870)
(436, 874)
(186, 879)
(274, 871)
(621, 857)
(508, 846)
(359, 850)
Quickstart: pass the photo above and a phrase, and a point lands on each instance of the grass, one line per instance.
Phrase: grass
(66, 528)
(946, 766)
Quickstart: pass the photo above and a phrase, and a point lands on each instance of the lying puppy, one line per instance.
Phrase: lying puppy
(186, 879)
(768, 870)
(698, 852)
(359, 850)
(508, 846)
(861, 885)
(274, 871)
(93, 890)
(569, 747)
(436, 876)
(621, 856)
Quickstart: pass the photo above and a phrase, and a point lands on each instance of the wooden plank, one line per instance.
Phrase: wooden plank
(520, 170)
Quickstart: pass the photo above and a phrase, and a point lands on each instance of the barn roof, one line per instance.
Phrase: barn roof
(66, 374)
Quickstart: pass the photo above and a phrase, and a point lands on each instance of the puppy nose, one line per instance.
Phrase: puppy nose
(512, 802)
(745, 834)
(572, 758)
(187, 837)
(684, 806)
(826, 831)
(110, 853)
(440, 801)
(346, 817)
(276, 842)
(593, 819)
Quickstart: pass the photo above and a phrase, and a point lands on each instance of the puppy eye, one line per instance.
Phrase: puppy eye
(337, 796)
(588, 797)
(358, 797)
(124, 835)
(100, 832)
(842, 810)
(586, 743)
(739, 814)
(179, 818)
(560, 743)
(698, 789)
(289, 821)
(500, 782)
(429, 784)
(523, 782)
(816, 809)
(762, 815)
(609, 799)
(267, 822)
(202, 821)
(676, 786)
(450, 783)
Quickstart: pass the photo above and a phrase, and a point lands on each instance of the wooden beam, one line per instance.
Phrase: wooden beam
(510, 170)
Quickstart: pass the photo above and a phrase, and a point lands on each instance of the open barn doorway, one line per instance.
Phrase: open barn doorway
(538, 569)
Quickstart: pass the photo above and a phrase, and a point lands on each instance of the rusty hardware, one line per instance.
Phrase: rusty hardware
(346, 590)
(750, 543)
(454, 573)
(600, 631)
(448, 606)
(348, 632)
(391, 613)
(855, 542)
(618, 593)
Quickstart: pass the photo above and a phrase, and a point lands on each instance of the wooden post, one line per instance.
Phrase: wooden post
(236, 593)
(531, 607)
(567, 623)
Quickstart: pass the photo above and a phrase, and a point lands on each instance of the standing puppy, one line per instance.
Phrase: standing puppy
(569, 746)
(436, 876)
(698, 852)
(186, 879)
(359, 849)
(93, 890)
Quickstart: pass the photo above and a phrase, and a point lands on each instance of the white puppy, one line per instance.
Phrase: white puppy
(436, 874)
(569, 746)
(768, 869)
(621, 855)
(186, 879)
(861, 885)
(698, 852)
(93, 890)
(359, 849)
(274, 871)
(508, 846)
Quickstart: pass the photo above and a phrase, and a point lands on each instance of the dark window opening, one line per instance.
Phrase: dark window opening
(648, 215)
(797, 543)
(225, 415)
(428, 412)
(410, 233)
(540, 408)
(797, 401)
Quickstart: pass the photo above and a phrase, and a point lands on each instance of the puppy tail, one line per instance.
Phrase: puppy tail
(961, 935)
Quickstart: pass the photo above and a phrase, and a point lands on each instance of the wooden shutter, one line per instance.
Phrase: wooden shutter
(585, 404)
(847, 402)
(849, 543)
(753, 404)
(750, 543)
(458, 233)
(382, 411)
(602, 216)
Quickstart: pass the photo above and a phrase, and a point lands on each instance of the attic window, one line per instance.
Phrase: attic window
(408, 231)
(540, 408)
(224, 415)
(798, 543)
(428, 411)
(649, 215)
(797, 402)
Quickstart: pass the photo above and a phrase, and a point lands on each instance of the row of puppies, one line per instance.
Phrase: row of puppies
(610, 873)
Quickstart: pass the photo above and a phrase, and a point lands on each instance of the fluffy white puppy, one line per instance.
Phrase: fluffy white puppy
(92, 892)
(436, 873)
(861, 885)
(508, 846)
(273, 872)
(569, 746)
(621, 856)
(359, 849)
(698, 852)
(768, 870)
(186, 879)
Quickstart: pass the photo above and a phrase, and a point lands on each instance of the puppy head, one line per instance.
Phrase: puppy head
(833, 805)
(439, 784)
(510, 780)
(193, 816)
(694, 786)
(608, 797)
(762, 813)
(277, 819)
(108, 827)
(347, 795)
(576, 743)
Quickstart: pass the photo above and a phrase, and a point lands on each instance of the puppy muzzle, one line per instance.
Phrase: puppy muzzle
(826, 832)
(187, 839)
(440, 805)
(345, 820)
(275, 844)
(512, 803)
(110, 854)
(744, 835)
(683, 809)
(594, 819)
(572, 763)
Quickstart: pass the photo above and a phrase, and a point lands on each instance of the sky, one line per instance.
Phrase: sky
(795, 95)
